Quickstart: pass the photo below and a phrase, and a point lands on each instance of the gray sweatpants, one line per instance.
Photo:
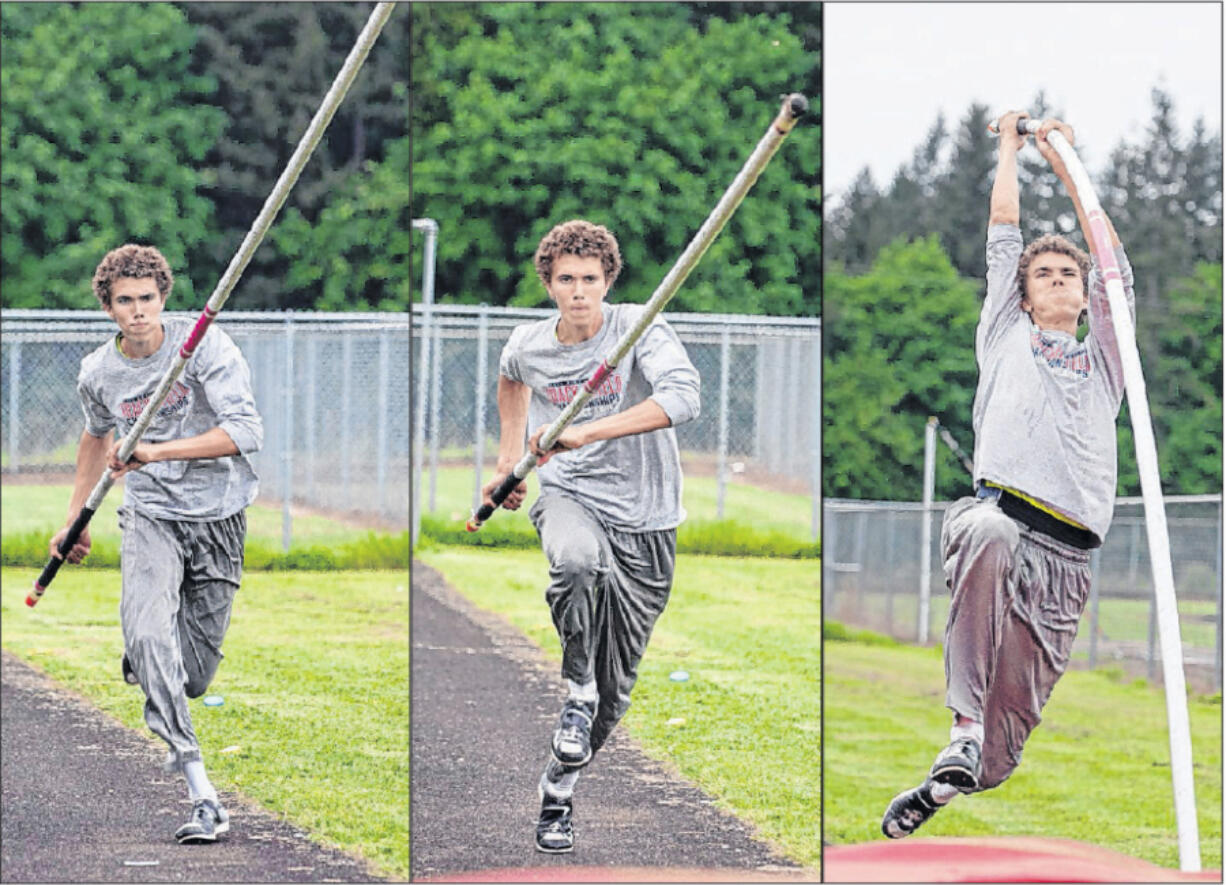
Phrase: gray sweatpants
(1017, 597)
(179, 581)
(607, 588)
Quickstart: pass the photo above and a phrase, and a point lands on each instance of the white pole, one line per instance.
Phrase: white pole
(1178, 726)
(287, 438)
(430, 226)
(722, 468)
(930, 460)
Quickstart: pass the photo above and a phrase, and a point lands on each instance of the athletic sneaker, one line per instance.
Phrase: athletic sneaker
(908, 810)
(209, 820)
(959, 765)
(554, 833)
(128, 676)
(572, 739)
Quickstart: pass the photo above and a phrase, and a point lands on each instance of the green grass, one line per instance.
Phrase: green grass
(752, 506)
(757, 522)
(33, 514)
(1095, 770)
(747, 633)
(29, 508)
(315, 682)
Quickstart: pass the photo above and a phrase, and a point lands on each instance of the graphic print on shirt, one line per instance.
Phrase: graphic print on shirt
(560, 393)
(177, 400)
(1065, 360)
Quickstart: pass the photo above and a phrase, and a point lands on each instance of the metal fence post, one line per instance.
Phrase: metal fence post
(1094, 563)
(1153, 630)
(15, 407)
(479, 431)
(930, 450)
(310, 416)
(791, 413)
(830, 548)
(725, 339)
(287, 438)
(436, 384)
(346, 428)
(815, 440)
(381, 419)
(889, 585)
(430, 227)
(1217, 640)
(760, 386)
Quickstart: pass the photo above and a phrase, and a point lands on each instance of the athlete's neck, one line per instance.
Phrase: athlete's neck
(136, 349)
(574, 333)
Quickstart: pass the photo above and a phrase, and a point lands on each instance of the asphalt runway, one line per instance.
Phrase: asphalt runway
(484, 704)
(84, 799)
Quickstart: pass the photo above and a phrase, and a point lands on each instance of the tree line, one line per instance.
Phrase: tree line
(906, 274)
(632, 115)
(169, 124)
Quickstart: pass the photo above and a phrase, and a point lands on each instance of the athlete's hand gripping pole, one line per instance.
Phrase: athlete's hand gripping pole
(793, 108)
(306, 146)
(1179, 729)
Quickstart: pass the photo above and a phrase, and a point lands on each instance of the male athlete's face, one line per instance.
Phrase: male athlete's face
(1055, 292)
(136, 305)
(578, 287)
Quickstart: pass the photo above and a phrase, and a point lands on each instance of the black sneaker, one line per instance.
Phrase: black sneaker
(908, 810)
(128, 676)
(209, 820)
(959, 765)
(554, 832)
(572, 739)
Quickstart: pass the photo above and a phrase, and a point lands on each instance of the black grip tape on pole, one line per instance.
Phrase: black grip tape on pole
(54, 563)
(485, 511)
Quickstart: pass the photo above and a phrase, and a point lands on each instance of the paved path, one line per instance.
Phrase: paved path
(484, 703)
(82, 796)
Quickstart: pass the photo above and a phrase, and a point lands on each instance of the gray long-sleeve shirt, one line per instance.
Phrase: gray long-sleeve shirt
(633, 482)
(1046, 404)
(213, 391)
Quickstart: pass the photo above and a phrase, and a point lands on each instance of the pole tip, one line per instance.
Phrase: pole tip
(798, 104)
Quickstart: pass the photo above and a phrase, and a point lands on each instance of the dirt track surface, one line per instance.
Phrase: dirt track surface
(82, 795)
(484, 704)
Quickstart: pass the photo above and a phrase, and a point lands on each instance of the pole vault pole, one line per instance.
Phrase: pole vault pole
(272, 205)
(794, 106)
(1178, 727)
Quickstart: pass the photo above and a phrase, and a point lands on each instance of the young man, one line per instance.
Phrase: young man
(609, 506)
(1016, 554)
(183, 515)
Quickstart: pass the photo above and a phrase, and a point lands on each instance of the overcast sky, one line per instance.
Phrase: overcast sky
(890, 68)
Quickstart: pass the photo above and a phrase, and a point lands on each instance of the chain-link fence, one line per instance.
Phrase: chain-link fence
(330, 388)
(761, 396)
(871, 579)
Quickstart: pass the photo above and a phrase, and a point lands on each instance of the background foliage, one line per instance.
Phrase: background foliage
(169, 124)
(635, 116)
(905, 277)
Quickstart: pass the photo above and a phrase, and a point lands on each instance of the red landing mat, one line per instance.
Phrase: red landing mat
(993, 859)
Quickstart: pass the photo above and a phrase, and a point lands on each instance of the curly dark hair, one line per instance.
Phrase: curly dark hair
(581, 238)
(133, 261)
(1061, 246)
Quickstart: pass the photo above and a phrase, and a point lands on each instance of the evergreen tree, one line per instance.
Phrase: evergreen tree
(273, 63)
